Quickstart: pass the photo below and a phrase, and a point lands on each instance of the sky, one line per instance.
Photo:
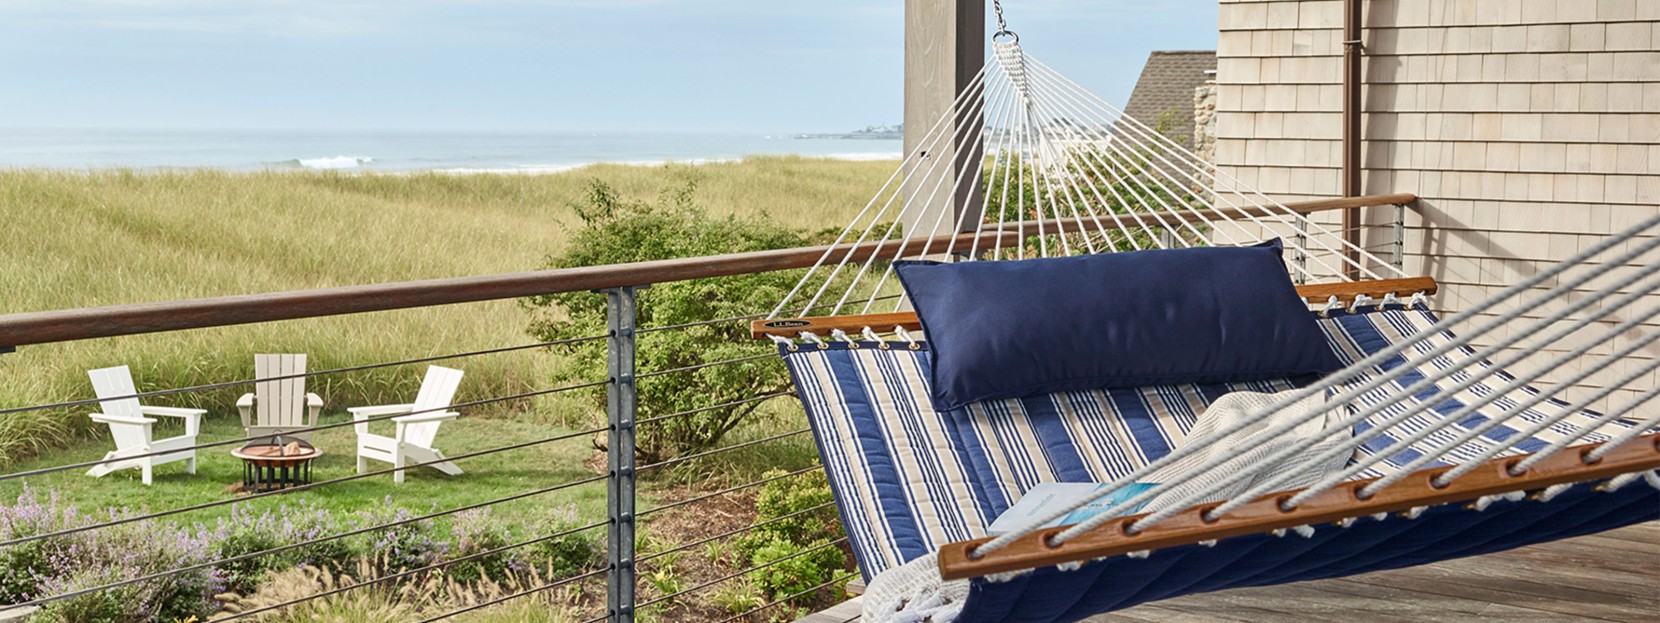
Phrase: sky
(516, 65)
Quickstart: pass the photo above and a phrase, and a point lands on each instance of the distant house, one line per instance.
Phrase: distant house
(1164, 92)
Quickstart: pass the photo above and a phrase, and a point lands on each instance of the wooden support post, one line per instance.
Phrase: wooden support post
(945, 47)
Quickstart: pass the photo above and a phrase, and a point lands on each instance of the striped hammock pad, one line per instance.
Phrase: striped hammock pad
(909, 479)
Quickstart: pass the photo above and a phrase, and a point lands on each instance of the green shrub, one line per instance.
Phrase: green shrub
(737, 596)
(247, 532)
(618, 230)
(810, 531)
(118, 605)
(570, 554)
(813, 564)
(473, 532)
(91, 558)
(406, 546)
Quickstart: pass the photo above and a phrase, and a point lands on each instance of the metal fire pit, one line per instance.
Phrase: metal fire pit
(272, 463)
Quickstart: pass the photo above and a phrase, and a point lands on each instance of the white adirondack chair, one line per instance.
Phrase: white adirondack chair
(130, 424)
(279, 405)
(412, 440)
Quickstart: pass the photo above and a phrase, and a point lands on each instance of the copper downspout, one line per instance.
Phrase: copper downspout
(1351, 131)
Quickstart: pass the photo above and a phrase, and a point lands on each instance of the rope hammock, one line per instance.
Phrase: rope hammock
(1422, 446)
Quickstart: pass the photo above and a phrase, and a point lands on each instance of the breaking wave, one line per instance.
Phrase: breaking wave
(337, 162)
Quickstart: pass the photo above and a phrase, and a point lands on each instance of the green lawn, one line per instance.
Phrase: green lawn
(488, 477)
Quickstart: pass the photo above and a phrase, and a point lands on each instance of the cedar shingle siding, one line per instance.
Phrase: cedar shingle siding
(1166, 88)
(1529, 128)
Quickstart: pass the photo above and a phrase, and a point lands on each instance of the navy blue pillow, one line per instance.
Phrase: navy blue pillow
(1007, 329)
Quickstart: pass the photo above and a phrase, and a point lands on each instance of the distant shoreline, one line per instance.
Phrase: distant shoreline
(360, 169)
(411, 151)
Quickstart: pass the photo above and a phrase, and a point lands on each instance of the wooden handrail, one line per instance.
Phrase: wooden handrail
(78, 324)
(1314, 293)
(1264, 514)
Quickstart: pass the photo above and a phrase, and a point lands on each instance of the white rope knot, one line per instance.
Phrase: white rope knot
(1652, 478)
(906, 335)
(1483, 502)
(1619, 482)
(1345, 522)
(1208, 543)
(1418, 298)
(1391, 299)
(926, 607)
(1415, 512)
(1305, 531)
(1360, 301)
(781, 340)
(815, 339)
(1552, 491)
(870, 334)
(1331, 304)
(839, 334)
(1070, 566)
(1380, 516)
(1005, 577)
(1140, 554)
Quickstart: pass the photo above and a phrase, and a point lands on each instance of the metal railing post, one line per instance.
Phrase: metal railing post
(1398, 253)
(620, 490)
(1300, 255)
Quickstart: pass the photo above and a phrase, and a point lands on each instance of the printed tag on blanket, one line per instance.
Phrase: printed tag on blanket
(1048, 497)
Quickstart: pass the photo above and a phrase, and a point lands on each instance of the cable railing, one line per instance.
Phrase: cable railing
(650, 523)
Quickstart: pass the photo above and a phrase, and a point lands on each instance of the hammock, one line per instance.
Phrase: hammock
(1441, 452)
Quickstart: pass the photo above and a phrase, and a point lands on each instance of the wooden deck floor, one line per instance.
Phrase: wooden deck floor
(1613, 576)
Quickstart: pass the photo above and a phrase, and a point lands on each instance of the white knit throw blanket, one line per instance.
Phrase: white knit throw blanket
(914, 593)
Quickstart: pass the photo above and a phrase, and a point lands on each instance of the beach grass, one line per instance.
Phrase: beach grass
(80, 239)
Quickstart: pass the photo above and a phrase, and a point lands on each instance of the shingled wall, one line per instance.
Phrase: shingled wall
(1530, 128)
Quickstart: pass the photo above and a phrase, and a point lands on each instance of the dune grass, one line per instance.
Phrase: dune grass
(81, 239)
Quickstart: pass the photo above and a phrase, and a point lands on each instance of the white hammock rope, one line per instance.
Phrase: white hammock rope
(928, 143)
(1218, 178)
(1446, 422)
(1414, 407)
(962, 135)
(1049, 163)
(1407, 395)
(1092, 179)
(1161, 146)
(1419, 406)
(1334, 380)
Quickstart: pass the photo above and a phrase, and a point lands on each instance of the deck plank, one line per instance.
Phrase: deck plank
(1613, 576)
(1609, 577)
(1642, 534)
(840, 613)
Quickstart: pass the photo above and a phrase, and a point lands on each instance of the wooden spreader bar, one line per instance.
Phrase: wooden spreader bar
(1314, 293)
(1264, 514)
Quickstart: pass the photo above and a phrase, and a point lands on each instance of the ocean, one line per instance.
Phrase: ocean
(403, 151)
